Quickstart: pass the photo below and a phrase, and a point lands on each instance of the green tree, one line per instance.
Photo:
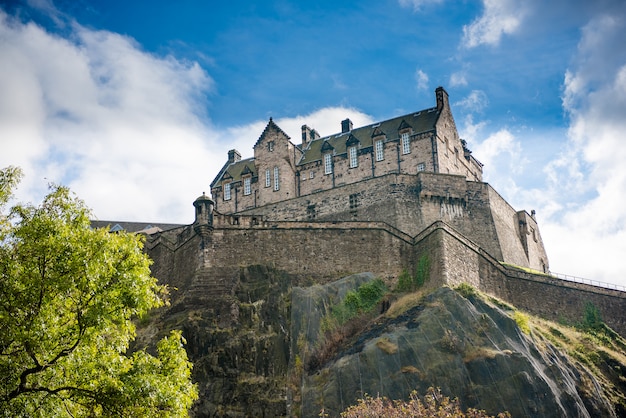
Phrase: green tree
(68, 297)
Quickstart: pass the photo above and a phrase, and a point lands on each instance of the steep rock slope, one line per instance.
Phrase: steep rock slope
(252, 343)
(469, 348)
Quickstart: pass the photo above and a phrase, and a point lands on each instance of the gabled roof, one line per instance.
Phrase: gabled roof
(234, 171)
(271, 126)
(142, 227)
(423, 121)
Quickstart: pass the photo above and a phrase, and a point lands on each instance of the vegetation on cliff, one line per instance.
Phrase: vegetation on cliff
(476, 348)
(69, 295)
(432, 405)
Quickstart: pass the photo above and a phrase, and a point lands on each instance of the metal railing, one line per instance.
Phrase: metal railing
(588, 281)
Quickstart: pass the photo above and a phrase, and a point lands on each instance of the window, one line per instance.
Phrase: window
(328, 164)
(456, 157)
(379, 150)
(276, 179)
(354, 162)
(311, 174)
(421, 167)
(310, 212)
(354, 201)
(246, 185)
(270, 146)
(406, 143)
(268, 178)
(226, 191)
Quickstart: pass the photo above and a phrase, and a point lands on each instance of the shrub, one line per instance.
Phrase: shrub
(466, 290)
(408, 283)
(433, 404)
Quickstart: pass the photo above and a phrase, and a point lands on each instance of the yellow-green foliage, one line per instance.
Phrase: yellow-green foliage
(466, 290)
(522, 321)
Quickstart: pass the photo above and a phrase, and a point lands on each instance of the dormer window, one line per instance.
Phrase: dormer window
(352, 155)
(246, 186)
(406, 143)
(227, 191)
(328, 163)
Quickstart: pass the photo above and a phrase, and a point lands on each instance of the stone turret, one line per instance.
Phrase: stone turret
(203, 223)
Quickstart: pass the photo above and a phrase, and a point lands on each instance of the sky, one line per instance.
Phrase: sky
(135, 104)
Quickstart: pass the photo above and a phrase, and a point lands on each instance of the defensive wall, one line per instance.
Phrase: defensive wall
(202, 263)
(410, 203)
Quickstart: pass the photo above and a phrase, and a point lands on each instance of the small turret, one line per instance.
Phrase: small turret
(204, 214)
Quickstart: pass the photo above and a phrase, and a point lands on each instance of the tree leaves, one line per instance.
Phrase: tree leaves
(68, 295)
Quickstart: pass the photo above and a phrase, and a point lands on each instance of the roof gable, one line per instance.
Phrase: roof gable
(352, 140)
(271, 127)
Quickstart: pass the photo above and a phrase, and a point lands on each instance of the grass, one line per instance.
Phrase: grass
(387, 346)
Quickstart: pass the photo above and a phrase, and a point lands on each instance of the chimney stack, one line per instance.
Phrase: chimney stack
(442, 98)
(308, 135)
(233, 156)
(346, 126)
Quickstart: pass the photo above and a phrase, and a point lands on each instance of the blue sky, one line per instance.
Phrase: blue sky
(134, 104)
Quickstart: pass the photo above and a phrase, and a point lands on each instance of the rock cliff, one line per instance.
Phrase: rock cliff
(254, 348)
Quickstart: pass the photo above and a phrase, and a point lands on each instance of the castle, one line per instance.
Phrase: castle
(379, 198)
(409, 171)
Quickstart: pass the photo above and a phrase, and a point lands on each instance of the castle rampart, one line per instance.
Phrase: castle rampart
(205, 268)
(412, 202)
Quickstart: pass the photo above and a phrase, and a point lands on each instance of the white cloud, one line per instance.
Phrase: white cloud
(122, 128)
(116, 124)
(418, 4)
(476, 101)
(421, 80)
(591, 175)
(458, 79)
(500, 17)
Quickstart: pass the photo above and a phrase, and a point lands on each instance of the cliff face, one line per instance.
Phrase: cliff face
(253, 346)
(471, 350)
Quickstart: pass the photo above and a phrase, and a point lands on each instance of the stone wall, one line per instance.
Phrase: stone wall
(412, 202)
(320, 252)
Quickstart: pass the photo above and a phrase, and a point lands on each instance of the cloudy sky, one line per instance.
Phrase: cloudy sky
(134, 104)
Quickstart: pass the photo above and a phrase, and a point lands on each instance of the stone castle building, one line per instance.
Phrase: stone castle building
(380, 199)
(409, 171)
(425, 141)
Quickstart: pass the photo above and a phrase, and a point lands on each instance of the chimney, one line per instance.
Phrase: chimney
(233, 156)
(308, 135)
(442, 98)
(346, 125)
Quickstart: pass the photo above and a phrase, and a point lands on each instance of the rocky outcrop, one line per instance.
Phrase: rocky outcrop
(471, 350)
(252, 343)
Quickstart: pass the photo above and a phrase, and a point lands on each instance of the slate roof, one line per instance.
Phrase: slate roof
(144, 227)
(236, 170)
(423, 121)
